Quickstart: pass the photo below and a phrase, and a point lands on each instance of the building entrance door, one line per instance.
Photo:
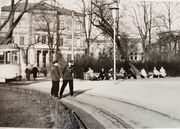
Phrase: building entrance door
(44, 58)
(38, 53)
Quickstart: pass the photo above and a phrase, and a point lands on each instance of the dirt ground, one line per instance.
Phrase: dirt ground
(19, 108)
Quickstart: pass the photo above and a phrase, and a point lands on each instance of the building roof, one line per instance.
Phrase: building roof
(174, 32)
(41, 6)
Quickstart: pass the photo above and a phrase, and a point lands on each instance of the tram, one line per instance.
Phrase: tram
(10, 68)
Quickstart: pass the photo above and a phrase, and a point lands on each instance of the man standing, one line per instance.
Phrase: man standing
(28, 72)
(55, 76)
(67, 78)
(34, 72)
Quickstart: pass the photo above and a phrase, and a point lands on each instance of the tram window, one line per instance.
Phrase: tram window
(8, 57)
(14, 57)
(1, 58)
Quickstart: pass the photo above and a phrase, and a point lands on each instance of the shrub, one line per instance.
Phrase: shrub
(82, 64)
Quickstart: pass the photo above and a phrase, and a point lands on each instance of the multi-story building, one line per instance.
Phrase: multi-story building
(169, 41)
(134, 48)
(38, 24)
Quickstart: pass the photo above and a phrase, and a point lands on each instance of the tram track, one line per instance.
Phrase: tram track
(112, 121)
(121, 114)
(118, 121)
(138, 106)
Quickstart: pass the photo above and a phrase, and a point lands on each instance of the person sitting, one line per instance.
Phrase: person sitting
(162, 72)
(143, 73)
(110, 74)
(91, 75)
(156, 73)
(121, 74)
(102, 74)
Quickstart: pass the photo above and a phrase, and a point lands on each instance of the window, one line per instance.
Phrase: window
(142, 56)
(135, 56)
(1, 57)
(78, 26)
(15, 57)
(61, 41)
(78, 43)
(69, 57)
(21, 40)
(62, 24)
(37, 38)
(69, 24)
(44, 39)
(9, 57)
(131, 56)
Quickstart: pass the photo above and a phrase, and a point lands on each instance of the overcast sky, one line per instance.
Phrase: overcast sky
(70, 4)
(75, 5)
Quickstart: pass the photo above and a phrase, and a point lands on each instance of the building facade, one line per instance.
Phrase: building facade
(36, 33)
(134, 49)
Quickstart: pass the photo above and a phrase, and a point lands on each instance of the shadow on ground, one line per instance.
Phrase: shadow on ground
(77, 92)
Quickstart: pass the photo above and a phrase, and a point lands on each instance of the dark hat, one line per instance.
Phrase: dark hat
(55, 61)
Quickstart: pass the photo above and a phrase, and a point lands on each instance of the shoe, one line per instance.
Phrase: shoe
(59, 97)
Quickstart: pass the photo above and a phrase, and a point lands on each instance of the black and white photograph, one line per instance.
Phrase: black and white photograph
(89, 64)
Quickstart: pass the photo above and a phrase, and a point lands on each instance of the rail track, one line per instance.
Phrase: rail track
(138, 106)
(111, 120)
(115, 113)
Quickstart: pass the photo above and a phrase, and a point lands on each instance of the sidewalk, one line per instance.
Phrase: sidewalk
(161, 95)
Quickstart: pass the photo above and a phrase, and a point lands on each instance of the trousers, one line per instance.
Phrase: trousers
(65, 82)
(55, 88)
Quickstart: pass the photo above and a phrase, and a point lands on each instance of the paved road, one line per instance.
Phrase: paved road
(110, 112)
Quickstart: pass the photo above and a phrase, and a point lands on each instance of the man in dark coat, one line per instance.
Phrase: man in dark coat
(28, 72)
(55, 76)
(67, 78)
(34, 72)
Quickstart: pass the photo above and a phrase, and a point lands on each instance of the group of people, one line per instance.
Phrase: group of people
(155, 74)
(66, 73)
(102, 75)
(34, 71)
(30, 71)
(125, 74)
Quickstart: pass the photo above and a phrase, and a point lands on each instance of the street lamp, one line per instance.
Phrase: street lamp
(72, 57)
(114, 10)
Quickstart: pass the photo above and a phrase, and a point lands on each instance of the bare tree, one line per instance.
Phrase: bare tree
(170, 17)
(90, 38)
(52, 27)
(142, 19)
(102, 19)
(168, 40)
(13, 21)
